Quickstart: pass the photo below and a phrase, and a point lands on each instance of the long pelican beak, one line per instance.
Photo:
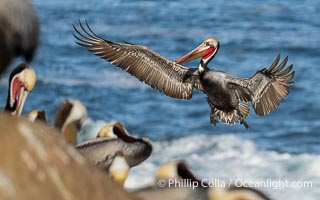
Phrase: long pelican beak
(70, 131)
(21, 88)
(203, 51)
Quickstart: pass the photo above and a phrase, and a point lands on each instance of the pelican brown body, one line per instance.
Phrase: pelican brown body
(265, 90)
(19, 31)
(101, 151)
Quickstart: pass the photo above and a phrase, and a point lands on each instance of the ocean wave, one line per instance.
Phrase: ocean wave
(230, 157)
(104, 79)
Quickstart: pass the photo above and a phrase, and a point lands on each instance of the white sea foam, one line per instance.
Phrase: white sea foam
(229, 157)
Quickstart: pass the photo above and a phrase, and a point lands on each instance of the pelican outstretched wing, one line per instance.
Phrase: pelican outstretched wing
(267, 88)
(139, 61)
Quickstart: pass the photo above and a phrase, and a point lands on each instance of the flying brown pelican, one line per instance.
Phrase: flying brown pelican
(119, 168)
(19, 31)
(21, 81)
(100, 151)
(174, 180)
(265, 90)
(69, 119)
(37, 116)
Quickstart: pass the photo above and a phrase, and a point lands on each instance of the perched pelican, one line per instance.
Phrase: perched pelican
(19, 31)
(37, 116)
(69, 119)
(119, 168)
(100, 151)
(265, 90)
(171, 174)
(21, 81)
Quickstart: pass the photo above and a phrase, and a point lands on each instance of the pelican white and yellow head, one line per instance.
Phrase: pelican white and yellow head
(107, 132)
(119, 168)
(175, 170)
(21, 81)
(168, 171)
(70, 118)
(37, 116)
(206, 51)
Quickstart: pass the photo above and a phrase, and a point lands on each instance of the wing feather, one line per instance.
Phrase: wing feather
(150, 68)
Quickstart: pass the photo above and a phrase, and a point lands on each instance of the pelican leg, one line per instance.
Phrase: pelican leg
(242, 119)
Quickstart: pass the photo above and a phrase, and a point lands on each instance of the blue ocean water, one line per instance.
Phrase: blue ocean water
(283, 144)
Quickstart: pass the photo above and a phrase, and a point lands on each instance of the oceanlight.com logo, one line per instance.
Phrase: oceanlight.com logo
(222, 183)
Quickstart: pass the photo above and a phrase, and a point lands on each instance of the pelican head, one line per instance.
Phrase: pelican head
(37, 116)
(107, 132)
(175, 170)
(70, 118)
(168, 171)
(21, 81)
(119, 168)
(116, 130)
(206, 51)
